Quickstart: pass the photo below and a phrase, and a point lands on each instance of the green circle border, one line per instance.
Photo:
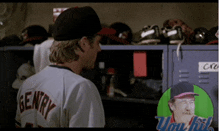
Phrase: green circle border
(203, 104)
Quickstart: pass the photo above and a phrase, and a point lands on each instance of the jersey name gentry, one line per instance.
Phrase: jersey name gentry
(57, 97)
(37, 103)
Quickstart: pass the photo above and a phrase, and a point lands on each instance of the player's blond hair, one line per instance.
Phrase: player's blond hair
(64, 51)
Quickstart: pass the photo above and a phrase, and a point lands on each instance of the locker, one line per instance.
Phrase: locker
(198, 65)
(144, 111)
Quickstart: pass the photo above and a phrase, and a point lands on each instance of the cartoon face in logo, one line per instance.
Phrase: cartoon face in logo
(183, 109)
(181, 102)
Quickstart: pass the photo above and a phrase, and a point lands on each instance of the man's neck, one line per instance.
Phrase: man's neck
(74, 66)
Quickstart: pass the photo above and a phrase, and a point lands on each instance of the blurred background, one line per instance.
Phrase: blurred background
(135, 15)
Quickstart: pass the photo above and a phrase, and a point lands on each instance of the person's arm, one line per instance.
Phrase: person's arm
(87, 109)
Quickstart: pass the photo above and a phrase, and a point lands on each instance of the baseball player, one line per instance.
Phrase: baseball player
(58, 96)
(182, 104)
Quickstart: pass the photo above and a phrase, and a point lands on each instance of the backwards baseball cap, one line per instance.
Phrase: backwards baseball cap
(182, 89)
(77, 22)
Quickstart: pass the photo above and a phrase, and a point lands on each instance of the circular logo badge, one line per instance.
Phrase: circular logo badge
(203, 104)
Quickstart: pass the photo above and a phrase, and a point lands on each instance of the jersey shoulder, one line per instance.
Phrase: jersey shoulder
(74, 80)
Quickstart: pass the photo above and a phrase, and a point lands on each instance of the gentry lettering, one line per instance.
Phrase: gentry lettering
(40, 102)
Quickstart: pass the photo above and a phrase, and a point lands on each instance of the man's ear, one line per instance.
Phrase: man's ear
(81, 44)
(171, 105)
(84, 41)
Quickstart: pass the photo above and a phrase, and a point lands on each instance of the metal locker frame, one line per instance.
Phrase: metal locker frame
(164, 48)
(184, 74)
(9, 68)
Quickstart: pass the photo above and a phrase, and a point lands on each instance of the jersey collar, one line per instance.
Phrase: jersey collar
(61, 67)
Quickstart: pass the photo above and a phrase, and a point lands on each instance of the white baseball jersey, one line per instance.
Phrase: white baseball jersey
(57, 97)
(41, 54)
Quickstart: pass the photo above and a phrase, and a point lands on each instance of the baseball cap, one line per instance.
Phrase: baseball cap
(181, 89)
(77, 22)
(34, 34)
(123, 34)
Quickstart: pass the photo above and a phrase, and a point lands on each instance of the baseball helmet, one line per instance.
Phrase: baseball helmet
(200, 36)
(187, 31)
(213, 36)
(123, 34)
(34, 34)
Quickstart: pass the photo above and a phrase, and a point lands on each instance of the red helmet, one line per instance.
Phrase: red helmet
(123, 35)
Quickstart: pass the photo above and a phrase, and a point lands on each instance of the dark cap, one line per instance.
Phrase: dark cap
(35, 30)
(34, 34)
(212, 36)
(181, 89)
(123, 34)
(77, 22)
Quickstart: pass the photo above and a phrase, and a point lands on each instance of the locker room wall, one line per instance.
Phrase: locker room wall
(16, 22)
(135, 15)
